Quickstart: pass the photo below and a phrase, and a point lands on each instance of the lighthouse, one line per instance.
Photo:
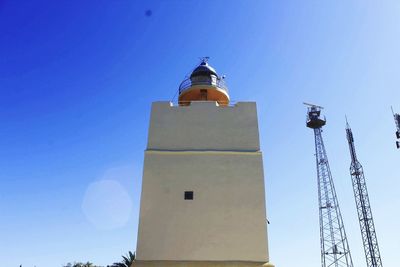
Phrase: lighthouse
(203, 196)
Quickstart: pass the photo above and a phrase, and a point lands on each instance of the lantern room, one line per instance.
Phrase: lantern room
(204, 84)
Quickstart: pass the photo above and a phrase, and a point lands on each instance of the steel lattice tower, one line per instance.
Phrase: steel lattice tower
(334, 245)
(367, 227)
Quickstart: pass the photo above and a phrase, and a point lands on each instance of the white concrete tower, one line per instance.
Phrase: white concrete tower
(203, 200)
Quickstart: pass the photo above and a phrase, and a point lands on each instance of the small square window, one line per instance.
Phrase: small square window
(188, 195)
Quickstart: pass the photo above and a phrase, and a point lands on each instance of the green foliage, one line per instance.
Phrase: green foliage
(126, 260)
(80, 264)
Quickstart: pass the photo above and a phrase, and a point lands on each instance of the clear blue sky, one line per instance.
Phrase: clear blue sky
(77, 79)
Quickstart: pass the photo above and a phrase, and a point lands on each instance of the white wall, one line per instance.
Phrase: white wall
(212, 151)
(204, 125)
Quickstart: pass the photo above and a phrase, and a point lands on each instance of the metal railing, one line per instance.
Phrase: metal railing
(217, 82)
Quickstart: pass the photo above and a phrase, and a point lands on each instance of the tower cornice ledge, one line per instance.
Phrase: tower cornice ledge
(234, 152)
(201, 264)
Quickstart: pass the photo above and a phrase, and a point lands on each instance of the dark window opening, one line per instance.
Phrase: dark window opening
(188, 195)
(203, 94)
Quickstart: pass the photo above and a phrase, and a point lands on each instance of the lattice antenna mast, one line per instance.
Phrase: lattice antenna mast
(334, 245)
(396, 117)
(367, 227)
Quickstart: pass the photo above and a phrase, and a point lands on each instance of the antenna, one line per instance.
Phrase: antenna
(204, 59)
(363, 206)
(335, 251)
(312, 105)
(396, 117)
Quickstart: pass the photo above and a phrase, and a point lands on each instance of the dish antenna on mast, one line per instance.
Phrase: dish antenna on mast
(312, 105)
